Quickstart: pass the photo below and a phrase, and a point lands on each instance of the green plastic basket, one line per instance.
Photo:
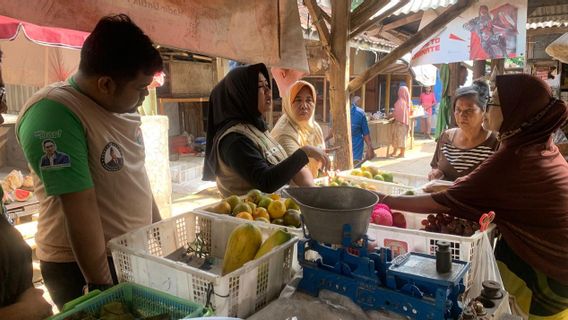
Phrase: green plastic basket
(148, 302)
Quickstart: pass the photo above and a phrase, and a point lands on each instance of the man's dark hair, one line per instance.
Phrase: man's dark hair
(118, 48)
(48, 141)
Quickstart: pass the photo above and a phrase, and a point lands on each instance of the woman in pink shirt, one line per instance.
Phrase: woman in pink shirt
(400, 125)
(427, 100)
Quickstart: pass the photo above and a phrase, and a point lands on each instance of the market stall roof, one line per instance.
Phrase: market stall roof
(56, 37)
(243, 30)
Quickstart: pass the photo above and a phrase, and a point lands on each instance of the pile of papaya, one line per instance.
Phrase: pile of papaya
(258, 206)
(245, 244)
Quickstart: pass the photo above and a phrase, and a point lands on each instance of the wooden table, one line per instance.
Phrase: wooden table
(412, 124)
(381, 133)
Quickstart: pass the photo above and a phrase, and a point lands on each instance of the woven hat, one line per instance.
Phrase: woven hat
(558, 49)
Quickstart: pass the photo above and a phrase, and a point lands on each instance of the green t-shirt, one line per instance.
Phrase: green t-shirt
(54, 143)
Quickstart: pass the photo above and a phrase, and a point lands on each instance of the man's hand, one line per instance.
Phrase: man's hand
(370, 154)
(85, 232)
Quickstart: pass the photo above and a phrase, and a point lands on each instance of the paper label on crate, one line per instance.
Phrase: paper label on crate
(397, 247)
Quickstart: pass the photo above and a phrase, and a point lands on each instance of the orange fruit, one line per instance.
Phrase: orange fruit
(261, 212)
(244, 215)
(275, 196)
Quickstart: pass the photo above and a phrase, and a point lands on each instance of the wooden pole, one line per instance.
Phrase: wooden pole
(363, 14)
(388, 94)
(499, 65)
(325, 99)
(321, 27)
(423, 34)
(478, 69)
(369, 23)
(339, 77)
(363, 101)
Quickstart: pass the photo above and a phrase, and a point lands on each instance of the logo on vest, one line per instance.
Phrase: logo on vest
(111, 157)
(271, 152)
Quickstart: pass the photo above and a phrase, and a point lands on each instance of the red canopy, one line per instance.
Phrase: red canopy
(49, 36)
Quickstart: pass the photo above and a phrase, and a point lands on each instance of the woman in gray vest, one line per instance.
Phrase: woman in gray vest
(240, 153)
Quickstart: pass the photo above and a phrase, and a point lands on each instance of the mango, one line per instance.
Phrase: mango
(292, 218)
(367, 175)
(387, 177)
(222, 207)
(242, 246)
(260, 212)
(277, 238)
(242, 207)
(233, 201)
(291, 204)
(254, 196)
(264, 202)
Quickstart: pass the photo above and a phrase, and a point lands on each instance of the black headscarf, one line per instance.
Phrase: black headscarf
(233, 100)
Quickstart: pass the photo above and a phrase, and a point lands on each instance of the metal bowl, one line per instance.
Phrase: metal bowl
(326, 209)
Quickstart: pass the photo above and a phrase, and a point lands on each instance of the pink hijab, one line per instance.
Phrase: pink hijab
(402, 105)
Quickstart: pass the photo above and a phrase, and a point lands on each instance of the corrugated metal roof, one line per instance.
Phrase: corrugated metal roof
(417, 5)
(421, 5)
(548, 17)
(547, 24)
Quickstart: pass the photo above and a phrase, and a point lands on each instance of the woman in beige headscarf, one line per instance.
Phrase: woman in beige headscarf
(297, 127)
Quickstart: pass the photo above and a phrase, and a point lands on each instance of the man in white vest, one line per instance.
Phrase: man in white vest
(91, 197)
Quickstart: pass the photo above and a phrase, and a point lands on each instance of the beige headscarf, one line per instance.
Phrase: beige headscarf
(293, 134)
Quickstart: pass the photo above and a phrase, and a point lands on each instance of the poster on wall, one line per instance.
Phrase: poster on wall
(489, 29)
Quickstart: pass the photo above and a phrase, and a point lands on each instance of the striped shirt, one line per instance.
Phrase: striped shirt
(465, 159)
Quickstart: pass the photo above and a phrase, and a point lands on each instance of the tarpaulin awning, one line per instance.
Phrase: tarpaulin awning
(244, 30)
(50, 36)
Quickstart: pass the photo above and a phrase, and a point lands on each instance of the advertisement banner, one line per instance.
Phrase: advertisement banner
(489, 29)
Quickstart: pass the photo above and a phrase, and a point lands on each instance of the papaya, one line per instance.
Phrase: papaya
(242, 246)
(277, 238)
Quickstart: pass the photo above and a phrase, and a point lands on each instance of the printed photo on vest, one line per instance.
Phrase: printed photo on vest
(139, 137)
(111, 157)
(52, 158)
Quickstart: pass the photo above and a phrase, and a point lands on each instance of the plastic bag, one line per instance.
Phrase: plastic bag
(485, 268)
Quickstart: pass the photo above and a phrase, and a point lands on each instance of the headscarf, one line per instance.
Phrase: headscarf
(233, 100)
(526, 181)
(308, 132)
(402, 105)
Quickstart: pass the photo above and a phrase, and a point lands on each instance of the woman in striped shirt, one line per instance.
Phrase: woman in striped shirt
(460, 150)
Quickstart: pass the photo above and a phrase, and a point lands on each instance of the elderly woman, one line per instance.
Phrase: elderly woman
(401, 116)
(240, 153)
(460, 150)
(297, 127)
(526, 183)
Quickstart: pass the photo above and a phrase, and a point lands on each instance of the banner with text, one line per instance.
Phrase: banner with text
(489, 29)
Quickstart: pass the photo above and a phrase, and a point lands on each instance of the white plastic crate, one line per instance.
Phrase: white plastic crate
(139, 258)
(389, 188)
(412, 239)
(400, 178)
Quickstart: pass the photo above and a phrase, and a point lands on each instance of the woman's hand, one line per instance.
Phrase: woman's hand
(35, 306)
(317, 154)
(435, 174)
